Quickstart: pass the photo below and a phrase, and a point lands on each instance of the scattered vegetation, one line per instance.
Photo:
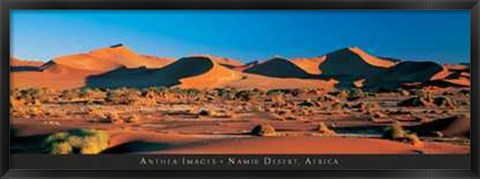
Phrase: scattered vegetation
(324, 130)
(397, 133)
(428, 99)
(78, 141)
(355, 94)
(394, 132)
(103, 116)
(132, 119)
(264, 130)
(214, 113)
(309, 103)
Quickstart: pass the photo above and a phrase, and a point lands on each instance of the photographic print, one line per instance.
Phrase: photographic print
(364, 82)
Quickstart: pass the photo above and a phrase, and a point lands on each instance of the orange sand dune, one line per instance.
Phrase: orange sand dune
(404, 72)
(106, 59)
(375, 61)
(215, 77)
(265, 82)
(462, 82)
(189, 72)
(456, 67)
(58, 78)
(14, 62)
(227, 62)
(310, 65)
(196, 72)
(442, 74)
(246, 66)
(350, 64)
(278, 67)
(455, 79)
(311, 145)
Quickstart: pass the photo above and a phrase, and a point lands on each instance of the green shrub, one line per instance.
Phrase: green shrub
(394, 132)
(77, 141)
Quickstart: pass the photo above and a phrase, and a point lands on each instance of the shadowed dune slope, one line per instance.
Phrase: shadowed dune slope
(26, 74)
(17, 65)
(55, 77)
(372, 60)
(226, 62)
(199, 73)
(404, 72)
(310, 65)
(168, 76)
(351, 64)
(452, 126)
(278, 67)
(106, 59)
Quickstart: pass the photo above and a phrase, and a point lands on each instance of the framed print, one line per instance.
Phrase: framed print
(239, 89)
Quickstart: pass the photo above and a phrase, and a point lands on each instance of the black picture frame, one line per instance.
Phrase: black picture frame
(6, 170)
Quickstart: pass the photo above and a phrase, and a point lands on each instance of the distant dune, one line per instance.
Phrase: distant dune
(226, 62)
(196, 72)
(404, 72)
(118, 66)
(17, 65)
(17, 62)
(310, 65)
(72, 71)
(372, 60)
(109, 58)
(351, 64)
(278, 67)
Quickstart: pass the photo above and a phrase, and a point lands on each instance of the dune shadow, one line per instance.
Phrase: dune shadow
(24, 69)
(27, 145)
(142, 77)
(280, 68)
(137, 146)
(456, 126)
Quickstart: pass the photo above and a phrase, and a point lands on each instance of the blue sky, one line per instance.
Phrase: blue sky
(246, 35)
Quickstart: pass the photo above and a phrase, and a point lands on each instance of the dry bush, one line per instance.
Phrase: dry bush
(324, 130)
(444, 101)
(123, 96)
(27, 112)
(309, 103)
(214, 113)
(414, 140)
(92, 94)
(465, 92)
(132, 119)
(328, 98)
(77, 141)
(396, 132)
(366, 106)
(278, 100)
(403, 92)
(335, 107)
(427, 99)
(70, 94)
(263, 130)
(247, 95)
(102, 116)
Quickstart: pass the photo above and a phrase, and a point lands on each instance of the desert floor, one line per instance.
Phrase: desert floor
(308, 123)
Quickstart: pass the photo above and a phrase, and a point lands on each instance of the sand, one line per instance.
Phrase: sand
(279, 68)
(106, 59)
(310, 65)
(375, 61)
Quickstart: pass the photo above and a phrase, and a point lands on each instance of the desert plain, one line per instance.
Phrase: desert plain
(115, 101)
